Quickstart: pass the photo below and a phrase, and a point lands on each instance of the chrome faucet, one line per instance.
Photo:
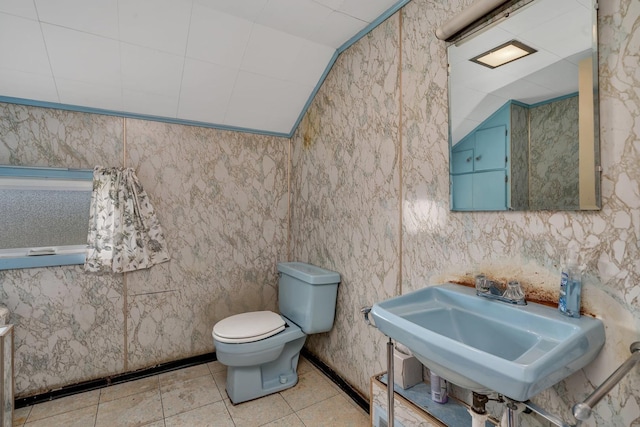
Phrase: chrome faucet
(512, 293)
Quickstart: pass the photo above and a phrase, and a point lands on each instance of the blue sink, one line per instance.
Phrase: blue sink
(486, 345)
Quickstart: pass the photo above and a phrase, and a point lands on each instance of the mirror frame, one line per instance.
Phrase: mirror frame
(594, 196)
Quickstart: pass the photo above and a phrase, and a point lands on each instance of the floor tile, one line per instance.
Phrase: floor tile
(305, 366)
(189, 394)
(311, 389)
(259, 412)
(212, 415)
(196, 396)
(288, 421)
(216, 366)
(136, 410)
(64, 404)
(336, 412)
(221, 382)
(184, 374)
(127, 389)
(82, 417)
(20, 415)
(159, 423)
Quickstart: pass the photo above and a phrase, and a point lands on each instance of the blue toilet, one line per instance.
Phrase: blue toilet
(261, 348)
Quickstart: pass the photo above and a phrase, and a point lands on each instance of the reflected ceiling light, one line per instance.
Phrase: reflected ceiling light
(503, 54)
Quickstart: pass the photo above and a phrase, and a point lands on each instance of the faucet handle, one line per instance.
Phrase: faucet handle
(482, 283)
(514, 291)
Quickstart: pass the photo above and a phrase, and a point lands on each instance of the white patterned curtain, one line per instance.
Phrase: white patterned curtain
(124, 233)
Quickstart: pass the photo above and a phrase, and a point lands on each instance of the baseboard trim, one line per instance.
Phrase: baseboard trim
(172, 366)
(337, 379)
(114, 379)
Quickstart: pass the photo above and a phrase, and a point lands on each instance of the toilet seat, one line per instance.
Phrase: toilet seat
(248, 327)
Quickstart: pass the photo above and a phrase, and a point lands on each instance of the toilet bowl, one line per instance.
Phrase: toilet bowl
(261, 349)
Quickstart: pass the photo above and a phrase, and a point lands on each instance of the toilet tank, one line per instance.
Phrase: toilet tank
(307, 295)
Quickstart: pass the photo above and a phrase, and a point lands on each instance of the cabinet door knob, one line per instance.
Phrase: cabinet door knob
(478, 158)
(469, 159)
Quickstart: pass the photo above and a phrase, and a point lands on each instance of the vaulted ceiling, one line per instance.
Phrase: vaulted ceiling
(240, 64)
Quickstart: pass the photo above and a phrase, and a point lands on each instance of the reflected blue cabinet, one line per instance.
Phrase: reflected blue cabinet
(479, 175)
(481, 166)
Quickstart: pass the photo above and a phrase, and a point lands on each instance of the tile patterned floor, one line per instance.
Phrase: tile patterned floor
(195, 397)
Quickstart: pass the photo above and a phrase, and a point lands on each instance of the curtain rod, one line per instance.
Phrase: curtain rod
(468, 16)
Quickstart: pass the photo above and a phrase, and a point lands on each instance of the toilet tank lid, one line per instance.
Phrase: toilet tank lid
(309, 273)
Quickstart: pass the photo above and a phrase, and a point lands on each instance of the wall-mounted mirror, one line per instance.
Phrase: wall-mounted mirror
(524, 135)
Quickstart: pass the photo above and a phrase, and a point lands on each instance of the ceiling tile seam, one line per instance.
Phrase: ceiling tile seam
(184, 62)
(120, 56)
(15, 15)
(235, 81)
(46, 49)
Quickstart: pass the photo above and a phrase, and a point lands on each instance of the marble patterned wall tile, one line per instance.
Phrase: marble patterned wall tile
(31, 136)
(68, 325)
(554, 152)
(222, 200)
(345, 196)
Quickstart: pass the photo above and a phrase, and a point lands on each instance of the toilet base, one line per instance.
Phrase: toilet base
(251, 382)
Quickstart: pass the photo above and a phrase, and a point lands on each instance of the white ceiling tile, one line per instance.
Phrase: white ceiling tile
(20, 84)
(309, 63)
(149, 103)
(151, 71)
(522, 91)
(270, 52)
(246, 9)
(23, 8)
(574, 26)
(158, 24)
(537, 14)
(366, 10)
(257, 103)
(284, 114)
(30, 54)
(89, 95)
(336, 29)
(560, 78)
(83, 57)
(95, 17)
(217, 36)
(206, 90)
(297, 17)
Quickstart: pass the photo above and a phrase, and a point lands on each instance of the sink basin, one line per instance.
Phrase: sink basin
(486, 345)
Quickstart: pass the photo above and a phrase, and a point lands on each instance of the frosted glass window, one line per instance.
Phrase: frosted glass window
(44, 216)
(36, 218)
